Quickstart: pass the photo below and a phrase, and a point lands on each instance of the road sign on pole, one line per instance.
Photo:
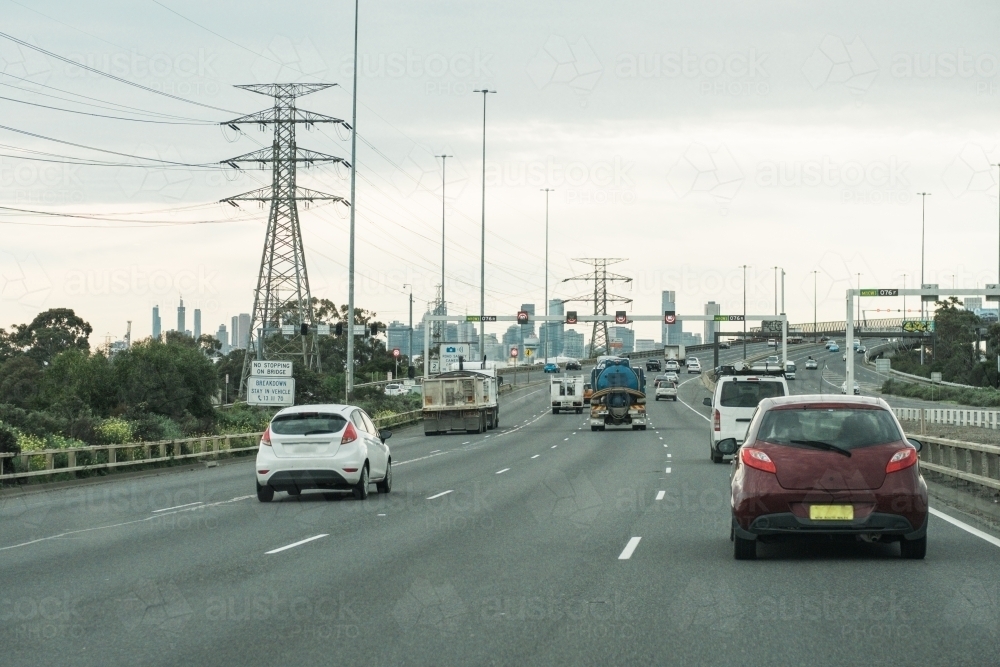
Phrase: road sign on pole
(513, 351)
(669, 316)
(395, 352)
(880, 292)
(621, 317)
(270, 391)
(728, 318)
(522, 317)
(570, 317)
(478, 318)
(270, 369)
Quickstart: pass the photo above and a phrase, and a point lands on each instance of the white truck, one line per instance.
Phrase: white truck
(674, 353)
(461, 401)
(566, 394)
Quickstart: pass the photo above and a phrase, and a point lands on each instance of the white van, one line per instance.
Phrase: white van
(789, 370)
(735, 401)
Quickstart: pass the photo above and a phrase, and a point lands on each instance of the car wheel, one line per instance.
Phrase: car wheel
(593, 428)
(579, 411)
(385, 486)
(265, 494)
(360, 489)
(555, 411)
(915, 549)
(744, 549)
(675, 399)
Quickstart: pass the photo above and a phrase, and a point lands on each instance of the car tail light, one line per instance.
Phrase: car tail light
(266, 438)
(350, 434)
(756, 458)
(901, 460)
(717, 421)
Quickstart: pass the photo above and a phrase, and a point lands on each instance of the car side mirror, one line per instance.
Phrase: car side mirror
(384, 435)
(727, 446)
(916, 444)
(707, 402)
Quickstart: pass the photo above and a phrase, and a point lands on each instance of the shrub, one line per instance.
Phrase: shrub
(114, 431)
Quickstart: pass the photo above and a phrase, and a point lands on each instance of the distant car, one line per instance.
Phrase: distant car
(327, 447)
(672, 365)
(811, 364)
(551, 368)
(830, 343)
(843, 388)
(861, 350)
(724, 345)
(773, 360)
(772, 342)
(826, 467)
(652, 364)
(394, 389)
(666, 390)
(573, 366)
(790, 370)
(833, 347)
(694, 366)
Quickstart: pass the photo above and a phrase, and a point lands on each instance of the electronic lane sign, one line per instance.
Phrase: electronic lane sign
(522, 317)
(918, 326)
(771, 325)
(880, 292)
(669, 317)
(728, 318)
(478, 318)
(570, 317)
(621, 317)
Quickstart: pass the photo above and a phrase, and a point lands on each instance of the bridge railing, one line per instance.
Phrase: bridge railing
(968, 461)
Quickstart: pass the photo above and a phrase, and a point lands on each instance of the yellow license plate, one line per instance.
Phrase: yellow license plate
(831, 512)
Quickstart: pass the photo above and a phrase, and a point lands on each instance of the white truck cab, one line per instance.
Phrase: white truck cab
(566, 394)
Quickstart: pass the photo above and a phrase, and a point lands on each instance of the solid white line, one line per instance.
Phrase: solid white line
(500, 472)
(438, 495)
(629, 548)
(966, 527)
(176, 507)
(660, 494)
(295, 544)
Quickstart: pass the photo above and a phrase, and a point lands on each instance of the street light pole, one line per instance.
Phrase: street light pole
(482, 260)
(409, 344)
(349, 383)
(858, 318)
(815, 333)
(904, 298)
(775, 288)
(545, 325)
(744, 267)
(444, 159)
(923, 227)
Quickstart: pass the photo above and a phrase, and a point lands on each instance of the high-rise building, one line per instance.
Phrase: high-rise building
(554, 330)
(529, 328)
(690, 339)
(627, 337)
(573, 344)
(197, 323)
(493, 348)
(711, 308)
(511, 338)
(234, 333)
(671, 333)
(973, 303)
(244, 330)
(398, 336)
(180, 316)
(645, 345)
(156, 323)
(223, 337)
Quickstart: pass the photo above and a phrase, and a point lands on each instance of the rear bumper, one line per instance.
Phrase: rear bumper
(876, 523)
(310, 479)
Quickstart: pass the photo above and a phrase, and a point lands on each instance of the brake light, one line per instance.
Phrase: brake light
(717, 421)
(901, 460)
(350, 434)
(266, 438)
(755, 458)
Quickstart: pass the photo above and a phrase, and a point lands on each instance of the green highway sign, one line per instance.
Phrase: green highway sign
(728, 318)
(880, 292)
(477, 318)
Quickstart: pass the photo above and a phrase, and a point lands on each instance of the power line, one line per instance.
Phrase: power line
(100, 115)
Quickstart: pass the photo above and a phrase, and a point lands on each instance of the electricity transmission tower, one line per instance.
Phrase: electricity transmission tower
(282, 325)
(600, 297)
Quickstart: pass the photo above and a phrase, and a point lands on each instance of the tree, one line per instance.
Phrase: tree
(173, 379)
(51, 332)
(20, 378)
(955, 355)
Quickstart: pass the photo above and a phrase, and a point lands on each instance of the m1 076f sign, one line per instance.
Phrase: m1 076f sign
(880, 292)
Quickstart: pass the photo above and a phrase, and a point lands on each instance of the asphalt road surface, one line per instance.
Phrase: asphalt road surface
(541, 543)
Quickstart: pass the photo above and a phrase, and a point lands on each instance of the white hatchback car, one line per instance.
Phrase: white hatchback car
(329, 447)
(694, 366)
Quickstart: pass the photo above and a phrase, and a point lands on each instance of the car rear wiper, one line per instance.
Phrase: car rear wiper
(819, 444)
(318, 432)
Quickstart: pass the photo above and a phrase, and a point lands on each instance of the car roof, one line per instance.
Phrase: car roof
(823, 399)
(319, 407)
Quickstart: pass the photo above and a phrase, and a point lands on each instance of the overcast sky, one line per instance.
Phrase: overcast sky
(687, 138)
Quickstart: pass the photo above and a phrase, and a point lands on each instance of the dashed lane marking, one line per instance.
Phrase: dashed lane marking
(500, 472)
(629, 548)
(295, 544)
(438, 495)
(536, 456)
(660, 494)
(176, 507)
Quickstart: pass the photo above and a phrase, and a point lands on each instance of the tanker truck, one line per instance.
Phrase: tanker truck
(619, 397)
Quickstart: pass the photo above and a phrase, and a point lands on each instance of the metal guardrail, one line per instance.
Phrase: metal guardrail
(950, 416)
(969, 461)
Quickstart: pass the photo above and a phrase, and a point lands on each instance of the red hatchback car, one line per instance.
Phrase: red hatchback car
(827, 465)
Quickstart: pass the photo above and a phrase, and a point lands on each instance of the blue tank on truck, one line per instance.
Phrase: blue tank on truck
(619, 396)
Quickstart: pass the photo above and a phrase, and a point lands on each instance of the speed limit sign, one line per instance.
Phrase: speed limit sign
(513, 352)
(395, 352)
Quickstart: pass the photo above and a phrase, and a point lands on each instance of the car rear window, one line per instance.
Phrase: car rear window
(748, 394)
(846, 428)
(307, 423)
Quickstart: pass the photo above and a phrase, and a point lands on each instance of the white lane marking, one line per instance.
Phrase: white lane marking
(435, 451)
(660, 494)
(668, 471)
(176, 507)
(295, 544)
(500, 472)
(553, 446)
(381, 515)
(438, 495)
(565, 439)
(669, 456)
(421, 458)
(124, 523)
(966, 527)
(666, 445)
(629, 548)
(466, 442)
(536, 456)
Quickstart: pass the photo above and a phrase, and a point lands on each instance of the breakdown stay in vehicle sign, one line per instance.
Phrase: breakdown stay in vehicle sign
(880, 292)
(271, 369)
(728, 318)
(270, 391)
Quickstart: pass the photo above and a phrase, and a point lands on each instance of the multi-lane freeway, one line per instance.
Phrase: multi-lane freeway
(539, 543)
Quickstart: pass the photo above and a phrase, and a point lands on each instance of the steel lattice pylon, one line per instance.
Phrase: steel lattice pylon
(600, 298)
(282, 296)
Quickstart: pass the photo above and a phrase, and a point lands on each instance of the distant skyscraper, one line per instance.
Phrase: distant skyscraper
(529, 328)
(973, 303)
(197, 323)
(644, 344)
(573, 344)
(554, 330)
(244, 322)
(156, 323)
(711, 308)
(223, 337)
(671, 333)
(627, 337)
(180, 316)
(398, 336)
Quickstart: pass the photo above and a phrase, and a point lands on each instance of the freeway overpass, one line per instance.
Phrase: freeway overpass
(541, 543)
